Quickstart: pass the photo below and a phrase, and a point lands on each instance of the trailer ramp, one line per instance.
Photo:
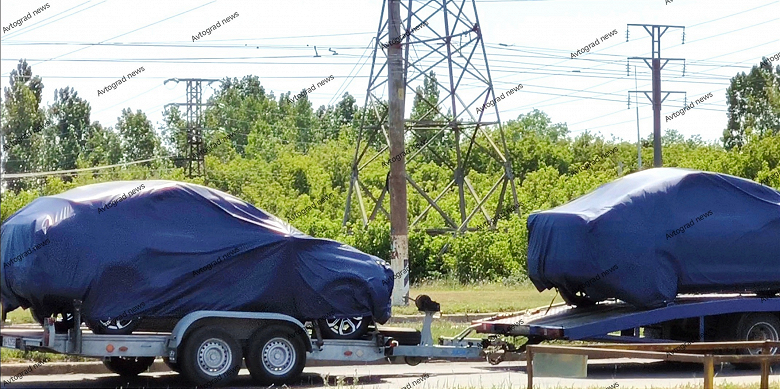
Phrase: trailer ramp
(598, 321)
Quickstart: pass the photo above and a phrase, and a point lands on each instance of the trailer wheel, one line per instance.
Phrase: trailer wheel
(276, 355)
(210, 356)
(757, 327)
(114, 326)
(344, 328)
(128, 367)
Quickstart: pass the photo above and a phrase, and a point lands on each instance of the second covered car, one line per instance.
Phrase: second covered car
(651, 235)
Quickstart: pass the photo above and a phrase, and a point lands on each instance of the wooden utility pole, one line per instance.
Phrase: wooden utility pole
(656, 32)
(399, 227)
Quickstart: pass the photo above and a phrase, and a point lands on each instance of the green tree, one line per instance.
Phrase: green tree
(139, 141)
(22, 121)
(338, 120)
(241, 107)
(69, 117)
(103, 147)
(753, 105)
(174, 131)
(426, 99)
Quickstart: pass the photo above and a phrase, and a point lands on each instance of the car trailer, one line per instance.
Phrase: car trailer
(207, 347)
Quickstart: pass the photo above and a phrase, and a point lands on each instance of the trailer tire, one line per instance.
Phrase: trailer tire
(114, 326)
(276, 355)
(757, 326)
(210, 356)
(128, 367)
(356, 327)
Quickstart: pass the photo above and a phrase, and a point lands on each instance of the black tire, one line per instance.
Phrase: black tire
(344, 328)
(276, 354)
(210, 356)
(114, 326)
(757, 326)
(64, 323)
(61, 324)
(576, 300)
(128, 367)
(174, 366)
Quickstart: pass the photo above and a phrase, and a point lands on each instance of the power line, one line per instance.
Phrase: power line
(37, 25)
(51, 173)
(123, 34)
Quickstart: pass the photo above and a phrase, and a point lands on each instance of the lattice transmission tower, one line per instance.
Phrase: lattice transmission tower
(442, 37)
(195, 165)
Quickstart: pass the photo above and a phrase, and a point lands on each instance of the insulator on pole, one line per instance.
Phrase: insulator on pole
(683, 35)
(627, 70)
(626, 33)
(683, 68)
(629, 101)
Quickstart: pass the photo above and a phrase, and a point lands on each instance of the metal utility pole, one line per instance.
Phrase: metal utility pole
(638, 135)
(194, 103)
(420, 42)
(656, 32)
(399, 224)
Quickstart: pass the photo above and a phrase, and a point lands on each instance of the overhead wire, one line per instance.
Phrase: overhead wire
(34, 26)
(510, 69)
(129, 32)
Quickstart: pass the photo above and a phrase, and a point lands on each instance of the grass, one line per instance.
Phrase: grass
(479, 298)
(20, 316)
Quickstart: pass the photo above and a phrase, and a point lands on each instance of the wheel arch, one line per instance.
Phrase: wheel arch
(241, 325)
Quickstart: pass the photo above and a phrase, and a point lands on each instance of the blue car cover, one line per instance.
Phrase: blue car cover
(648, 236)
(165, 248)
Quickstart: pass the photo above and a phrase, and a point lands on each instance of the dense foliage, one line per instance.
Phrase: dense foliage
(290, 159)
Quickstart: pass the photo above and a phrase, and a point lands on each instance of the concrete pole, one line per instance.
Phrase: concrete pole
(399, 227)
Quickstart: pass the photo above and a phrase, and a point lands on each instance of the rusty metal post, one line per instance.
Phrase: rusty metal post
(529, 366)
(764, 374)
(709, 372)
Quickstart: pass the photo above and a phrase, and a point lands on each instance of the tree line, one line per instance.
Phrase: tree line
(286, 157)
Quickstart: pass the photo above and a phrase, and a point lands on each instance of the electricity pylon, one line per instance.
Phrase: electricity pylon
(442, 38)
(194, 103)
(656, 32)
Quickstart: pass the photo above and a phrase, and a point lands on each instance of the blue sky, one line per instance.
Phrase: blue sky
(90, 44)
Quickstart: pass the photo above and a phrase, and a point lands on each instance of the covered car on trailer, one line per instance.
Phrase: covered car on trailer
(648, 236)
(146, 249)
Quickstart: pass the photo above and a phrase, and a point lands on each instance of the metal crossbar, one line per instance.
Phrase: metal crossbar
(663, 351)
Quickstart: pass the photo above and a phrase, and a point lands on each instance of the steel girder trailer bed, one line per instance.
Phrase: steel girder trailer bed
(689, 318)
(207, 347)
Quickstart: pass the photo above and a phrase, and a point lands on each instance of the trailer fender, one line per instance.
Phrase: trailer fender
(177, 335)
